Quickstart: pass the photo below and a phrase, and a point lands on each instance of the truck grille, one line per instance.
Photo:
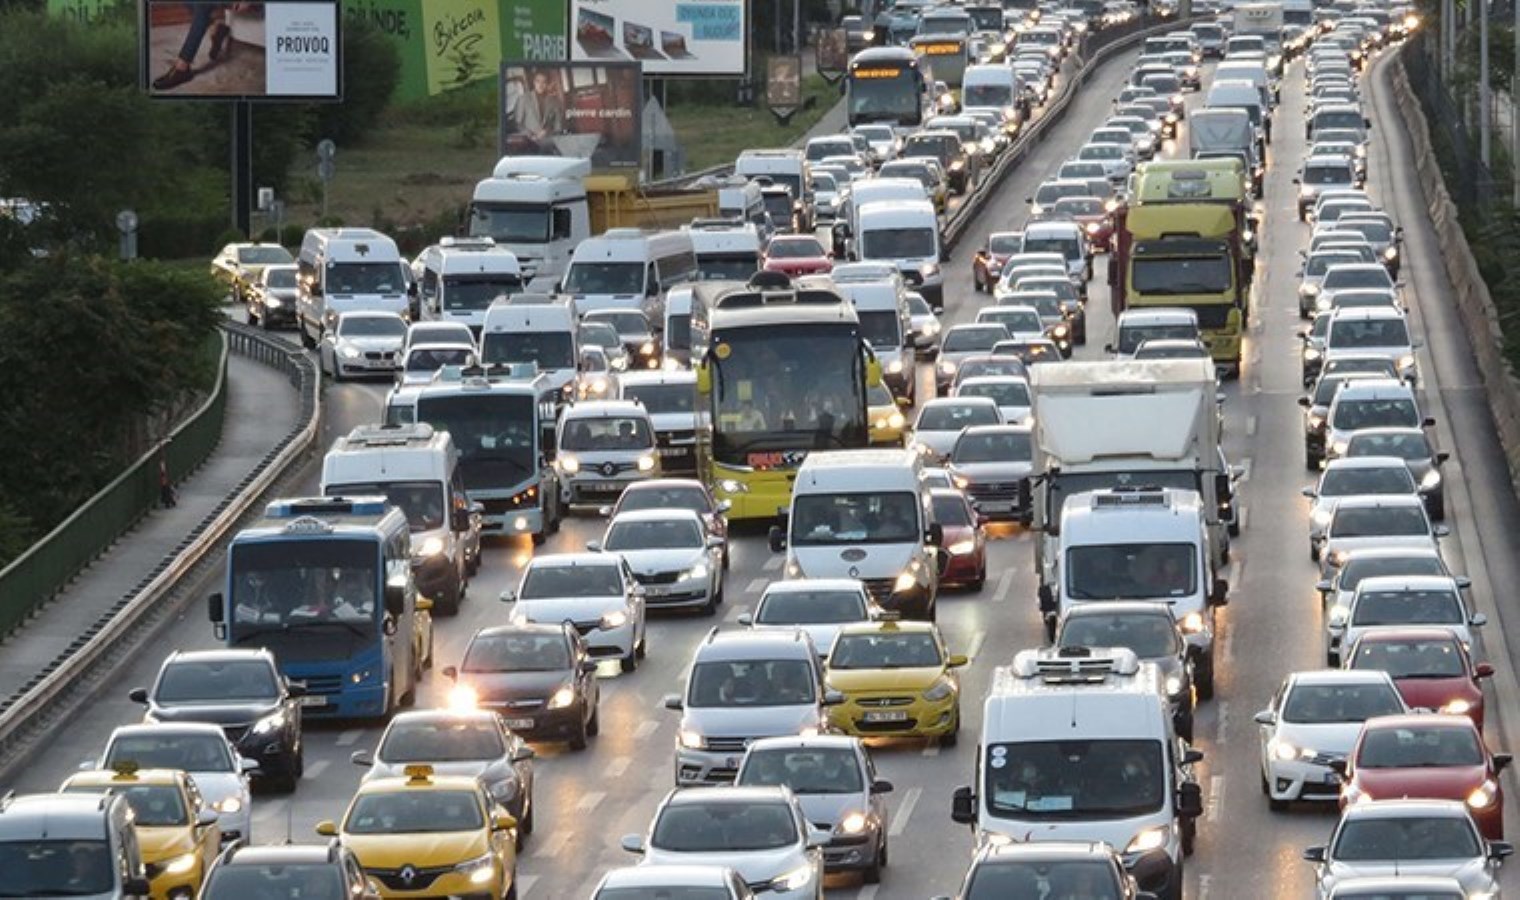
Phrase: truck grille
(324, 684)
(879, 588)
(656, 577)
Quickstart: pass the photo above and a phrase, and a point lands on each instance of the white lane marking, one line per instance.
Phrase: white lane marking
(757, 585)
(1004, 583)
(975, 646)
(590, 801)
(1250, 426)
(868, 892)
(773, 564)
(1216, 797)
(900, 821)
(350, 737)
(315, 770)
(1243, 513)
(525, 884)
(1222, 723)
(553, 845)
(1245, 468)
(646, 728)
(931, 749)
(617, 767)
(1203, 885)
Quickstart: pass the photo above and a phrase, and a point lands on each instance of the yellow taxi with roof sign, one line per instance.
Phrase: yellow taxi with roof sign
(428, 835)
(177, 831)
(898, 679)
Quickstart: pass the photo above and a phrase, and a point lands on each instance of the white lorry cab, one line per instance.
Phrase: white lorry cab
(626, 268)
(462, 277)
(726, 249)
(865, 514)
(416, 469)
(787, 168)
(905, 233)
(534, 328)
(343, 270)
(534, 206)
(1078, 745)
(1140, 544)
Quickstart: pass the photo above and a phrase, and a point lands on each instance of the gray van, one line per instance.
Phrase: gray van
(75, 845)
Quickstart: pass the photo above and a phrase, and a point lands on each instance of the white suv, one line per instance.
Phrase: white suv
(604, 446)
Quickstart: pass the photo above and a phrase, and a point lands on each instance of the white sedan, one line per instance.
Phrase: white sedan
(1314, 720)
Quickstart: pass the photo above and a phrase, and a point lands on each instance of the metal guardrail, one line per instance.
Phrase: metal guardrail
(35, 700)
(49, 564)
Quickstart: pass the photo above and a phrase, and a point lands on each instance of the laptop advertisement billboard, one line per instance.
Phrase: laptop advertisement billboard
(693, 38)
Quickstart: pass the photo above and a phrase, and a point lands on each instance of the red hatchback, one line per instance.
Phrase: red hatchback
(987, 264)
(1425, 757)
(965, 538)
(798, 254)
(1429, 666)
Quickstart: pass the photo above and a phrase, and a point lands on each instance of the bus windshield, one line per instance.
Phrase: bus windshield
(787, 387)
(494, 434)
(881, 93)
(305, 598)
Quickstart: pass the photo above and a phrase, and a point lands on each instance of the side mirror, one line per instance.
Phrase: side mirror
(1109, 348)
(963, 805)
(594, 546)
(1266, 717)
(1463, 582)
(207, 816)
(1441, 531)
(723, 506)
(451, 673)
(248, 766)
(1305, 402)
(832, 698)
(817, 838)
(746, 620)
(138, 695)
(588, 666)
(508, 596)
(1192, 755)
(957, 660)
(1478, 620)
(395, 598)
(1442, 457)
(1189, 800)
(632, 843)
(362, 758)
(1315, 854)
(327, 828)
(1308, 492)
(673, 701)
(1339, 767)
(503, 821)
(1483, 670)
(1323, 586)
(882, 786)
(1428, 422)
(1502, 761)
(1500, 849)
(776, 538)
(216, 608)
(424, 604)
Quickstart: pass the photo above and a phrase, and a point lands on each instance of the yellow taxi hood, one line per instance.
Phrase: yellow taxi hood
(863, 680)
(392, 851)
(158, 844)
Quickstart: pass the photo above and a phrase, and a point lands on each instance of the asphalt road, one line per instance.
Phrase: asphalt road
(586, 801)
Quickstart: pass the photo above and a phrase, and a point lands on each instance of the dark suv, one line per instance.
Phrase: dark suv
(291, 870)
(945, 146)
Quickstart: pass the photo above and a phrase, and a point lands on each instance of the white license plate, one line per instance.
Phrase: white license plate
(314, 700)
(520, 724)
(674, 451)
(886, 717)
(997, 507)
(656, 591)
(602, 485)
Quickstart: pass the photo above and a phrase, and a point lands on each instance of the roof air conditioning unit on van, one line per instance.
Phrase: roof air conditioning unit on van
(1075, 665)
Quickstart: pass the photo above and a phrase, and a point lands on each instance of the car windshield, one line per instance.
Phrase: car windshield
(600, 580)
(1132, 336)
(57, 868)
(281, 278)
(956, 416)
(752, 682)
(1368, 332)
(897, 243)
(1336, 174)
(1320, 263)
(1102, 779)
(431, 359)
(1325, 704)
(263, 256)
(806, 770)
(1101, 151)
(724, 827)
(883, 518)
(814, 607)
(1174, 276)
(674, 534)
(1428, 746)
(1003, 393)
(1406, 839)
(885, 650)
(1360, 276)
(1345, 482)
(953, 511)
(1016, 320)
(605, 278)
(278, 881)
(1439, 658)
(443, 740)
(233, 681)
(997, 446)
(1379, 521)
(1005, 879)
(421, 501)
(477, 292)
(1409, 446)
(1004, 244)
(1150, 636)
(1080, 206)
(975, 338)
(607, 433)
(372, 326)
(1117, 571)
(413, 812)
(1376, 232)
(882, 329)
(1408, 607)
(660, 399)
(794, 248)
(153, 805)
(1352, 415)
(170, 750)
(662, 497)
(517, 653)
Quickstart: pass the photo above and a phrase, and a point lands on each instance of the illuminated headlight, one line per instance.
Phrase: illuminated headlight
(1338, 558)
(1192, 623)
(615, 619)
(269, 723)
(1311, 353)
(1093, 227)
(1316, 421)
(896, 420)
(349, 352)
(794, 880)
(940, 690)
(1391, 254)
(1111, 204)
(1320, 518)
(1152, 838)
(272, 302)
(933, 327)
(929, 270)
(229, 805)
(793, 570)
(562, 697)
(1484, 795)
(730, 486)
(646, 463)
(647, 348)
(480, 869)
(695, 573)
(597, 386)
(181, 864)
(1286, 752)
(1172, 118)
(1361, 149)
(947, 368)
(1173, 685)
(1060, 331)
(1309, 290)
(1406, 361)
(462, 696)
(1338, 448)
(1338, 617)
(692, 740)
(1036, 209)
(868, 34)
(431, 547)
(569, 464)
(961, 548)
(961, 481)
(1176, 99)
(1457, 707)
(852, 823)
(1190, 71)
(1431, 480)
(905, 582)
(895, 367)
(619, 363)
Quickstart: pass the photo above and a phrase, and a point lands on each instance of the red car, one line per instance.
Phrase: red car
(965, 539)
(1090, 213)
(798, 254)
(1429, 666)
(988, 262)
(1425, 757)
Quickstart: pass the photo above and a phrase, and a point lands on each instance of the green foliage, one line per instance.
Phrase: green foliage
(106, 350)
(371, 70)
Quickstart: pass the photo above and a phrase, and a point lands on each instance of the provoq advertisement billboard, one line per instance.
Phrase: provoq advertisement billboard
(276, 50)
(670, 37)
(585, 110)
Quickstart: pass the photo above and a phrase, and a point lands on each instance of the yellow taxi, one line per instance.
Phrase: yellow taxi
(886, 417)
(898, 680)
(177, 831)
(428, 835)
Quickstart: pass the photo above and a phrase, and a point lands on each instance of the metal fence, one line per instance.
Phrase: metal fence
(1472, 185)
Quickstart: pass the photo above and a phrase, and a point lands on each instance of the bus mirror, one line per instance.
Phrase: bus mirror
(777, 539)
(215, 608)
(704, 379)
(873, 373)
(395, 598)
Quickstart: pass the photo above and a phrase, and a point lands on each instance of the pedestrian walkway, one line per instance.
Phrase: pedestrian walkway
(262, 408)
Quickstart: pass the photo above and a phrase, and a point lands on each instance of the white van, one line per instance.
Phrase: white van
(905, 233)
(1241, 94)
(886, 324)
(533, 328)
(626, 268)
(1065, 238)
(865, 514)
(1078, 745)
(343, 270)
(788, 168)
(870, 190)
(416, 469)
(740, 198)
(994, 87)
(726, 250)
(462, 277)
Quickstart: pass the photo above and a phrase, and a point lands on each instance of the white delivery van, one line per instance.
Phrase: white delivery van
(416, 469)
(870, 190)
(887, 325)
(534, 206)
(534, 328)
(788, 168)
(1077, 745)
(906, 233)
(1242, 94)
(726, 250)
(462, 277)
(626, 268)
(344, 270)
(865, 514)
(994, 87)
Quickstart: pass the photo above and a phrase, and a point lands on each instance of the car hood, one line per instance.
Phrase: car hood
(158, 844)
(754, 866)
(1333, 738)
(230, 714)
(391, 851)
(994, 471)
(750, 721)
(217, 786)
(281, 293)
(369, 344)
(941, 442)
(516, 685)
(854, 560)
(1434, 693)
(1348, 543)
(826, 810)
(576, 609)
(490, 770)
(853, 681)
(647, 562)
(1473, 873)
(1436, 783)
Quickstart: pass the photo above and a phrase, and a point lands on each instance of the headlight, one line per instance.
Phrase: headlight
(940, 690)
(480, 869)
(646, 463)
(961, 548)
(729, 486)
(1149, 839)
(1316, 420)
(1035, 209)
(1308, 290)
(1457, 707)
(1060, 331)
(270, 723)
(569, 464)
(562, 697)
(647, 348)
(1311, 353)
(615, 619)
(272, 302)
(933, 327)
(947, 367)
(431, 547)
(1391, 253)
(1338, 616)
(1406, 361)
(895, 367)
(904, 582)
(1111, 204)
(349, 352)
(1285, 752)
(957, 165)
(1431, 481)
(462, 696)
(1483, 796)
(852, 823)
(1338, 448)
(1361, 149)
(697, 571)
(692, 740)
(1173, 685)
(1192, 623)
(896, 420)
(1176, 99)
(793, 880)
(929, 270)
(1092, 227)
(181, 864)
(598, 386)
(793, 570)
(229, 805)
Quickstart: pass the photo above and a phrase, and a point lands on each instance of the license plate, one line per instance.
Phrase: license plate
(601, 485)
(674, 451)
(886, 717)
(656, 591)
(314, 700)
(520, 724)
(996, 507)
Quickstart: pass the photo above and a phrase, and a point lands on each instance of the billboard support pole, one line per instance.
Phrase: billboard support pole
(242, 166)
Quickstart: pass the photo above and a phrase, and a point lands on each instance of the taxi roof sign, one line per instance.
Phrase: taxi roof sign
(125, 769)
(418, 773)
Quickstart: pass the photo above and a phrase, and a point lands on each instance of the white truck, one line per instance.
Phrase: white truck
(1123, 424)
(534, 206)
(1263, 20)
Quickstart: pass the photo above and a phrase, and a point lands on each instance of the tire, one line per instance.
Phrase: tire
(1189, 832)
(1203, 678)
(526, 825)
(1311, 461)
(453, 595)
(307, 341)
(953, 738)
(641, 649)
(977, 583)
(710, 608)
(629, 662)
(872, 874)
(539, 538)
(1234, 529)
(578, 737)
(1314, 552)
(594, 725)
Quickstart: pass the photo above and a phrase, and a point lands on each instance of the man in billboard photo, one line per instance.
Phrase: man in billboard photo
(540, 111)
(204, 17)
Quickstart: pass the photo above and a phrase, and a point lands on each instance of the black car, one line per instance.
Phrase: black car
(292, 870)
(946, 147)
(243, 692)
(538, 677)
(1046, 869)
(1149, 630)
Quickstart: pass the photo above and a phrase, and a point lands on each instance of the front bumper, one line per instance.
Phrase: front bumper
(689, 593)
(760, 495)
(182, 886)
(1156, 873)
(610, 642)
(895, 714)
(965, 567)
(436, 575)
(1299, 779)
(428, 883)
(595, 488)
(851, 852)
(274, 751)
(706, 767)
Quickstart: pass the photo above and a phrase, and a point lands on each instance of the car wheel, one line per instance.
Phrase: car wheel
(642, 647)
(594, 726)
(1189, 836)
(253, 317)
(1203, 677)
(951, 739)
(980, 580)
(578, 737)
(307, 341)
(872, 873)
(1314, 552)
(1234, 529)
(710, 608)
(448, 604)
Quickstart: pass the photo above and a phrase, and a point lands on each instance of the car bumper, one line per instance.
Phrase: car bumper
(529, 520)
(848, 853)
(593, 490)
(366, 366)
(538, 722)
(965, 567)
(862, 717)
(609, 642)
(278, 315)
(237, 826)
(271, 752)
(435, 575)
(176, 887)
(686, 594)
(1155, 873)
(1302, 780)
(698, 767)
